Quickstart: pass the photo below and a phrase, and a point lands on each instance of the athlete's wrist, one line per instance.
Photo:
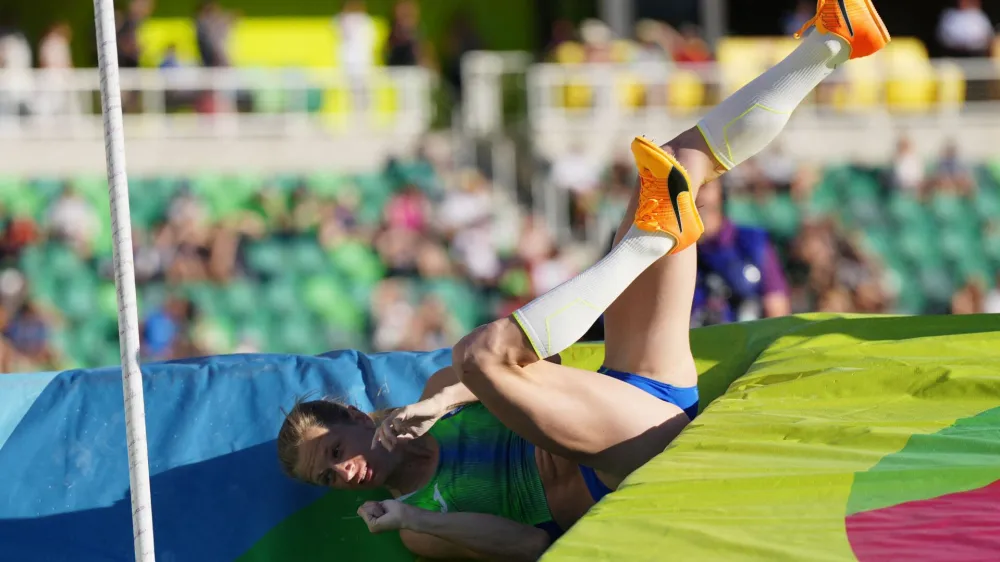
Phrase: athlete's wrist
(412, 518)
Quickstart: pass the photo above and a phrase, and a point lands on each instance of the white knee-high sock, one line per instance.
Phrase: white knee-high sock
(747, 121)
(557, 319)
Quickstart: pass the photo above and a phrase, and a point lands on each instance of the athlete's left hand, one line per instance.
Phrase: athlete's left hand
(408, 423)
(383, 516)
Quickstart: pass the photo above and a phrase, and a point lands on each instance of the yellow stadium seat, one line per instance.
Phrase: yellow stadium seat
(741, 60)
(686, 92)
(576, 93)
(950, 85)
(910, 84)
(861, 87)
(631, 93)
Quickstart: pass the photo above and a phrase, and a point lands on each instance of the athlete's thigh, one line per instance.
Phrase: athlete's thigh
(587, 417)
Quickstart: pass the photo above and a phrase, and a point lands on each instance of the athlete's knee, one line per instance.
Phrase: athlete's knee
(488, 350)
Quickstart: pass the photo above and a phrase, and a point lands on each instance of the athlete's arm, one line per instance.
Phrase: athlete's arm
(478, 536)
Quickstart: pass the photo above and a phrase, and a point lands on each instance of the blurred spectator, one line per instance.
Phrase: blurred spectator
(908, 169)
(950, 174)
(55, 56)
(408, 209)
(54, 48)
(163, 332)
(15, 59)
(18, 233)
(212, 26)
(579, 176)
(739, 275)
(357, 48)
(432, 327)
(966, 30)
(653, 44)
(357, 38)
(127, 33)
(969, 299)
(803, 12)
(992, 303)
(73, 220)
(462, 38)
(170, 59)
(406, 45)
(597, 41)
(691, 47)
(28, 332)
(563, 31)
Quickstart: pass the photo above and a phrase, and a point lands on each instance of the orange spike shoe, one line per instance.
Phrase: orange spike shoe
(855, 21)
(666, 204)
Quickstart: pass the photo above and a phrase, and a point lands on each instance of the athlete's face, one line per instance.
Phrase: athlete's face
(342, 457)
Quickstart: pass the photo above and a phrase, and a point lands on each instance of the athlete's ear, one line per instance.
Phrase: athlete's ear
(358, 416)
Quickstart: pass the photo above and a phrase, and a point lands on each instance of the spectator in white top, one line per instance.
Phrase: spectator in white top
(357, 48)
(54, 55)
(15, 55)
(966, 30)
(908, 172)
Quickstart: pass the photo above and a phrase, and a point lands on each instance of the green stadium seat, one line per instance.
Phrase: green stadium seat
(950, 209)
(460, 299)
(327, 184)
(878, 240)
(861, 187)
(960, 244)
(357, 263)
(297, 333)
(936, 284)
(906, 210)
(333, 304)
(919, 246)
(307, 257)
(47, 188)
(93, 188)
(780, 216)
(824, 200)
(281, 296)
(910, 300)
(743, 211)
(239, 300)
(987, 205)
(266, 257)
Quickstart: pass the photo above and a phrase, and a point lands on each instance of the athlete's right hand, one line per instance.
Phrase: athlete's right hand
(408, 423)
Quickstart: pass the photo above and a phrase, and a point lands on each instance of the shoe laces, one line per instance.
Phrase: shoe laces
(811, 21)
(654, 200)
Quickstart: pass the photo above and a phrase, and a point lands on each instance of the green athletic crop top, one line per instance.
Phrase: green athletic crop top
(483, 467)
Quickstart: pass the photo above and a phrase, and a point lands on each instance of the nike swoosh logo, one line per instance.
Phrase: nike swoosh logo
(847, 20)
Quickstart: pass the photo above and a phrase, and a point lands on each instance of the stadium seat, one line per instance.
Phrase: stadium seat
(780, 216)
(266, 257)
(743, 211)
(685, 92)
(911, 84)
(906, 210)
(357, 263)
(950, 209)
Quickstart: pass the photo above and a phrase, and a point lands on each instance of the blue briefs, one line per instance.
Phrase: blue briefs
(684, 398)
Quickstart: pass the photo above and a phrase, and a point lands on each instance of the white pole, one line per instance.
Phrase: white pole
(128, 322)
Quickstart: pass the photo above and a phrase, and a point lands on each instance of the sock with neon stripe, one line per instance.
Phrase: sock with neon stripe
(747, 121)
(556, 320)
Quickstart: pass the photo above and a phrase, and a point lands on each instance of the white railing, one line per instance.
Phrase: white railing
(210, 103)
